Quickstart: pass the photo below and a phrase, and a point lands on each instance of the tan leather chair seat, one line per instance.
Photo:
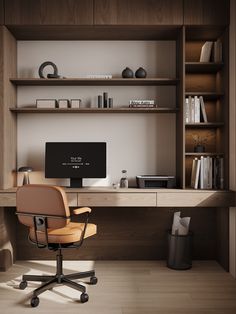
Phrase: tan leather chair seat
(71, 233)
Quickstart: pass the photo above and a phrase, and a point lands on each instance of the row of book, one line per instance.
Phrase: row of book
(211, 51)
(142, 103)
(195, 111)
(207, 173)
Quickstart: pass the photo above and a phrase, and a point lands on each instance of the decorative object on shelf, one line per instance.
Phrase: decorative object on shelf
(46, 103)
(99, 101)
(26, 171)
(63, 103)
(105, 100)
(206, 51)
(138, 103)
(140, 73)
(199, 144)
(127, 73)
(124, 183)
(110, 102)
(75, 103)
(51, 75)
(116, 185)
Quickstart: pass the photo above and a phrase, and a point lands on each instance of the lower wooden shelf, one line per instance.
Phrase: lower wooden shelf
(94, 110)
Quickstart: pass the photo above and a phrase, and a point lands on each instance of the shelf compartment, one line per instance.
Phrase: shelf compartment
(203, 67)
(204, 125)
(94, 82)
(205, 95)
(94, 110)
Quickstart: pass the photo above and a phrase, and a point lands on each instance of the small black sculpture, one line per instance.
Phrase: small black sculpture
(52, 75)
(140, 73)
(127, 73)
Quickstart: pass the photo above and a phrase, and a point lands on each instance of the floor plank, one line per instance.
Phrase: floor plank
(126, 287)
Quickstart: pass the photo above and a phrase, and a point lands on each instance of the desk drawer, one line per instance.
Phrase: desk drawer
(8, 199)
(116, 199)
(195, 199)
(72, 199)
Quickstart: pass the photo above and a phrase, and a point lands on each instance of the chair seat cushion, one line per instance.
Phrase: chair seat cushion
(69, 234)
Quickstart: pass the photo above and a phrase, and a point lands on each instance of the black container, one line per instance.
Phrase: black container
(179, 251)
(140, 73)
(99, 101)
(127, 73)
(105, 100)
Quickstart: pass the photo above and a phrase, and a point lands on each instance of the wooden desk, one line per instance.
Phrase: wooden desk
(108, 197)
(136, 233)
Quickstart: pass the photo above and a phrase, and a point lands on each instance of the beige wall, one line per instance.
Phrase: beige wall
(140, 143)
(232, 222)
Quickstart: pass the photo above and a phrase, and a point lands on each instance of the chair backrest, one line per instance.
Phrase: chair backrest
(39, 199)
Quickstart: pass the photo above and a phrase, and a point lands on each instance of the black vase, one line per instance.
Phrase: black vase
(140, 73)
(127, 73)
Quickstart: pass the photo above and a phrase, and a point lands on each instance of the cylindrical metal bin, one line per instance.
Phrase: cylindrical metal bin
(179, 251)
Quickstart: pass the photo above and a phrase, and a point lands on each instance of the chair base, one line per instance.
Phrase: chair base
(58, 279)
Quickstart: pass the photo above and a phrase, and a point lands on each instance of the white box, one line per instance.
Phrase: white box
(75, 103)
(63, 103)
(46, 103)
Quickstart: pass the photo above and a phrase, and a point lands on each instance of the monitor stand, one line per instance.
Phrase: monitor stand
(76, 182)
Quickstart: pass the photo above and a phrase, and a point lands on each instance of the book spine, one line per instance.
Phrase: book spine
(197, 110)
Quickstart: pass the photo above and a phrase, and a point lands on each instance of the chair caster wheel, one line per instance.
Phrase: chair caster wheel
(84, 297)
(34, 301)
(93, 280)
(23, 285)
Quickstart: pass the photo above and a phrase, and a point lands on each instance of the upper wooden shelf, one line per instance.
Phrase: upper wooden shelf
(206, 95)
(204, 125)
(94, 82)
(203, 67)
(94, 110)
(203, 154)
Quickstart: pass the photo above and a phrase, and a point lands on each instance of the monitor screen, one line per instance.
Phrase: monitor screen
(75, 160)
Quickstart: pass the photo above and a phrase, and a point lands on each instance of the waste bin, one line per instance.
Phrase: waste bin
(179, 251)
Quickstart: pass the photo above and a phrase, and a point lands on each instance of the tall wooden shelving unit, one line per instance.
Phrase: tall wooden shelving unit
(209, 80)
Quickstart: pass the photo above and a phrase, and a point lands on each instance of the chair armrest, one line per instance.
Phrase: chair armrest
(81, 210)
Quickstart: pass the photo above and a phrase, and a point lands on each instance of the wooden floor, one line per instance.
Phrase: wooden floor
(134, 287)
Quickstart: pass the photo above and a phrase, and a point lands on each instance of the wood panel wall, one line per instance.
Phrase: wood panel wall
(206, 12)
(7, 100)
(1, 12)
(53, 12)
(138, 12)
(137, 234)
(7, 238)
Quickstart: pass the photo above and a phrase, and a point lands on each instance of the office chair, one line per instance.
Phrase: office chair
(44, 209)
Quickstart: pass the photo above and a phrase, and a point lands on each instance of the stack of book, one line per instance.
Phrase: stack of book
(195, 111)
(137, 103)
(207, 173)
(211, 51)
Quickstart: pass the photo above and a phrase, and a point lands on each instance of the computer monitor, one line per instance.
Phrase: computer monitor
(75, 161)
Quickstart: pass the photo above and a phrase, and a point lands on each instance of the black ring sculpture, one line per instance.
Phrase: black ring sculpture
(43, 65)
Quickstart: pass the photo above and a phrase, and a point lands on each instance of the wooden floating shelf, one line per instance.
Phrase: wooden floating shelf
(206, 95)
(203, 154)
(94, 82)
(204, 125)
(94, 110)
(203, 67)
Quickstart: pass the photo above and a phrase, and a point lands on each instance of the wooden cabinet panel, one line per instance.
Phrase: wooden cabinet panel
(206, 12)
(1, 12)
(138, 12)
(45, 12)
(22, 12)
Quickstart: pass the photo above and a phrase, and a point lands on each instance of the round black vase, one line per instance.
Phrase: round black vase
(199, 149)
(140, 73)
(127, 73)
